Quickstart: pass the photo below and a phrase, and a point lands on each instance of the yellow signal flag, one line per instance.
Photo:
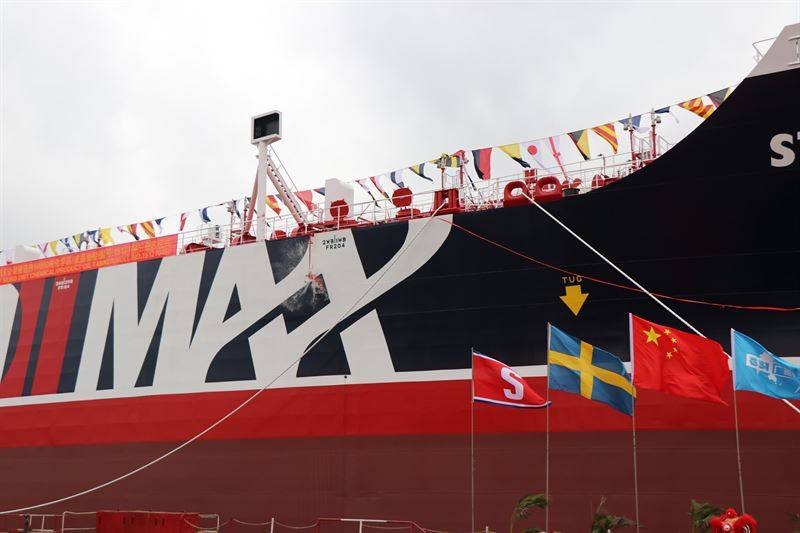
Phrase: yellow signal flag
(698, 107)
(105, 236)
(581, 140)
(609, 133)
(148, 228)
(272, 202)
(513, 151)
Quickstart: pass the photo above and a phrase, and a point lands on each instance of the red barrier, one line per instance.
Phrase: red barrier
(90, 259)
(146, 522)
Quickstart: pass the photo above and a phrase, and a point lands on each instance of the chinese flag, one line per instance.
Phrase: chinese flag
(678, 363)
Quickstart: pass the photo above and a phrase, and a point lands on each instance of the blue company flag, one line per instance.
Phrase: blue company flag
(580, 368)
(757, 369)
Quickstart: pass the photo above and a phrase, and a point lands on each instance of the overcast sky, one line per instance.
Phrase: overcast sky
(116, 112)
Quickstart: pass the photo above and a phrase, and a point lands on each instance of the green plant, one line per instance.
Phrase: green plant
(701, 513)
(795, 518)
(605, 523)
(523, 509)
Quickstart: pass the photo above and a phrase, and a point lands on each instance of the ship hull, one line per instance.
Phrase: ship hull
(361, 341)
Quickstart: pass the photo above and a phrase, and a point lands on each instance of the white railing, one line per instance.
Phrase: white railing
(579, 178)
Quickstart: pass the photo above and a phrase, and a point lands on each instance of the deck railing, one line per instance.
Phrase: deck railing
(473, 195)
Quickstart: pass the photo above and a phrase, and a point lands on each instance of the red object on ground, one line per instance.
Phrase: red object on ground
(678, 363)
(733, 523)
(146, 522)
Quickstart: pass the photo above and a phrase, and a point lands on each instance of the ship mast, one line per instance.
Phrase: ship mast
(265, 129)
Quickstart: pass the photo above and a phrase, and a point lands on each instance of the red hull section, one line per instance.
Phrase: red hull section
(424, 478)
(338, 446)
(418, 408)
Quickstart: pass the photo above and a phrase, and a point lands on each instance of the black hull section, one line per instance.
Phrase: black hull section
(710, 220)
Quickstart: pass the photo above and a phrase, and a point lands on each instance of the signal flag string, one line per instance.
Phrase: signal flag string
(637, 288)
(244, 403)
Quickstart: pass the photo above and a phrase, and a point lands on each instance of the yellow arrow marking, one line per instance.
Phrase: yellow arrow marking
(574, 298)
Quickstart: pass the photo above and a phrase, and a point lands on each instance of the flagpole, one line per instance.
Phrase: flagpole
(547, 439)
(736, 424)
(633, 425)
(472, 439)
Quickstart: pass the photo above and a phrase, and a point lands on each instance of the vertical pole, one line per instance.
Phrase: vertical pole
(472, 440)
(654, 137)
(272, 525)
(547, 439)
(261, 194)
(633, 426)
(736, 424)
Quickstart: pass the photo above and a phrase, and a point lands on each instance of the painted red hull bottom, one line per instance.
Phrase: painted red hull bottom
(423, 478)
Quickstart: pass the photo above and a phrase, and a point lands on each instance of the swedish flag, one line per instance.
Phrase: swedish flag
(580, 368)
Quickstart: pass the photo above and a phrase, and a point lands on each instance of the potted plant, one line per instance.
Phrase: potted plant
(701, 513)
(603, 522)
(523, 509)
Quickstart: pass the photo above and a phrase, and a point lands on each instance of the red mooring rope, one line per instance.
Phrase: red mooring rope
(618, 285)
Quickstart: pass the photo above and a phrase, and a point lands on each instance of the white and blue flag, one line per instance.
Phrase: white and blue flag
(757, 369)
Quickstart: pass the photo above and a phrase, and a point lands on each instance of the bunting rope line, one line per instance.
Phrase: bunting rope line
(696, 106)
(629, 278)
(246, 401)
(637, 288)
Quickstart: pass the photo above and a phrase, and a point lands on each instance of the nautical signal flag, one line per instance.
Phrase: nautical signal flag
(514, 152)
(677, 363)
(757, 369)
(376, 181)
(448, 161)
(396, 177)
(533, 149)
(580, 368)
(132, 230)
(273, 204)
(148, 228)
(419, 170)
(105, 236)
(482, 159)
(609, 133)
(307, 198)
(495, 382)
(696, 106)
(717, 97)
(581, 140)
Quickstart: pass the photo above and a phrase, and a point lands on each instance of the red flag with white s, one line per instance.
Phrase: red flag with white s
(496, 383)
